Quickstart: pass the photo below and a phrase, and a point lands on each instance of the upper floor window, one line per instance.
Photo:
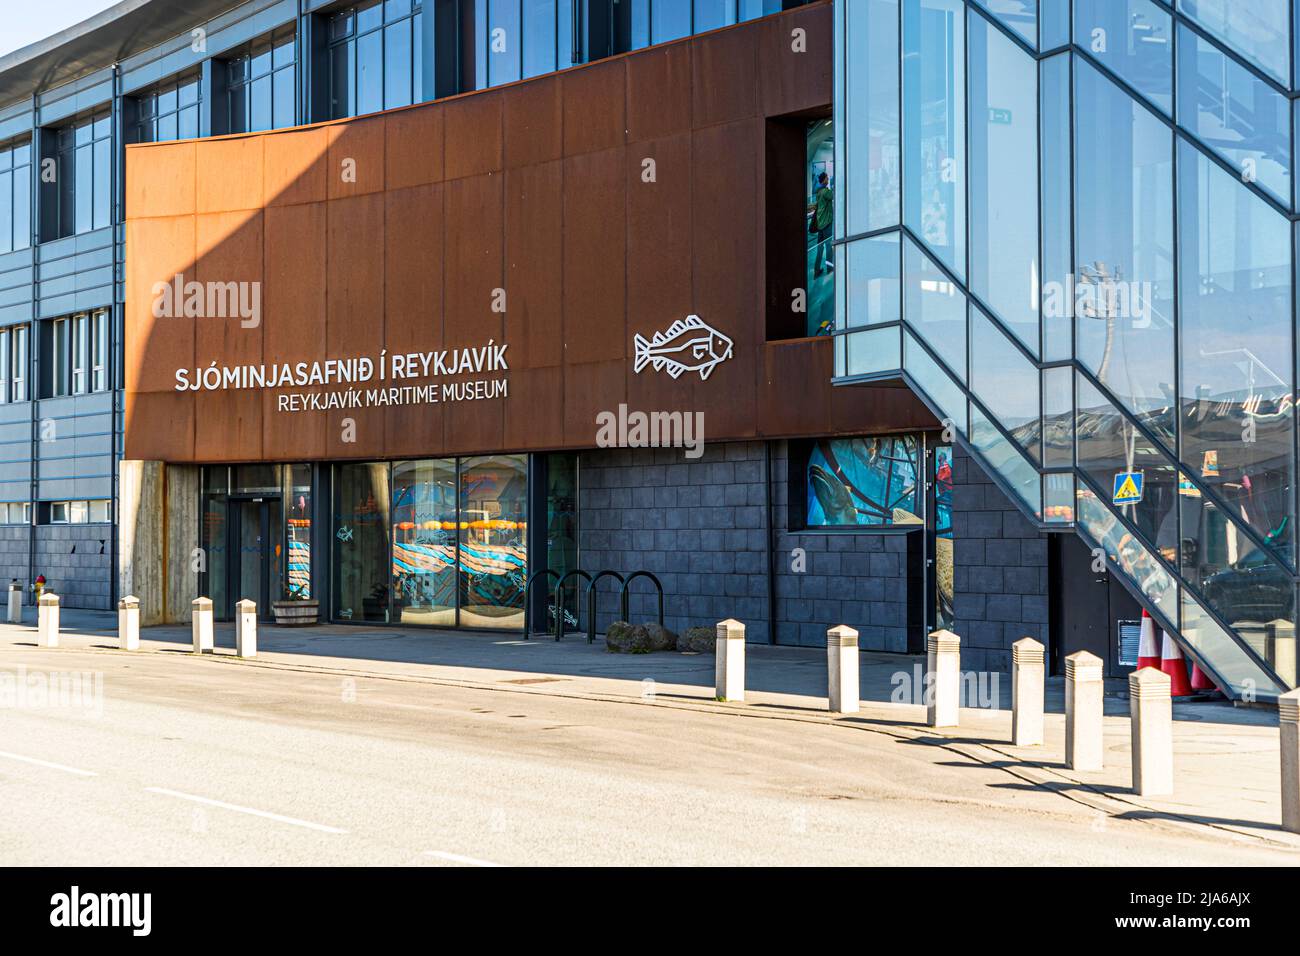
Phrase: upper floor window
(78, 349)
(168, 111)
(80, 197)
(260, 85)
(13, 364)
(373, 56)
(15, 196)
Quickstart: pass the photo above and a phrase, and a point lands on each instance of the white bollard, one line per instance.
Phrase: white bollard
(1288, 725)
(246, 628)
(1027, 687)
(943, 669)
(201, 625)
(1151, 720)
(128, 623)
(842, 669)
(47, 620)
(15, 603)
(729, 655)
(1083, 709)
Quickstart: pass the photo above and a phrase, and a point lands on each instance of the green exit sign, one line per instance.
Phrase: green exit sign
(1000, 116)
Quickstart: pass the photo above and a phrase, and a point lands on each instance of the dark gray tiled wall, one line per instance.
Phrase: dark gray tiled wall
(699, 525)
(76, 560)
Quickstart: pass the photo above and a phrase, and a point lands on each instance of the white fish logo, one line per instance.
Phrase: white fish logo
(688, 346)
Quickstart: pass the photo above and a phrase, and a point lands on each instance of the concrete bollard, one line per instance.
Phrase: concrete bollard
(1027, 687)
(15, 603)
(1288, 725)
(943, 670)
(1083, 709)
(729, 655)
(201, 625)
(1151, 721)
(128, 623)
(842, 669)
(47, 620)
(246, 628)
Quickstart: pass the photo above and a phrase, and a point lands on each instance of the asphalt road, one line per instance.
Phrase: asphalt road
(222, 762)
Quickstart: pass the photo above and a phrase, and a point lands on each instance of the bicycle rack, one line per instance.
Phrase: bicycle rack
(658, 587)
(528, 605)
(591, 601)
(559, 599)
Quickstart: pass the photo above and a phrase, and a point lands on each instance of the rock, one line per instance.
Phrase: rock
(625, 638)
(661, 639)
(701, 640)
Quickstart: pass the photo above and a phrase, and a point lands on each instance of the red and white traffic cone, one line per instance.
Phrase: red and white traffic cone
(1172, 663)
(1148, 652)
(1201, 682)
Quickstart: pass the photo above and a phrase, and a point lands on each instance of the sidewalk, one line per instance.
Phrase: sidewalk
(1226, 758)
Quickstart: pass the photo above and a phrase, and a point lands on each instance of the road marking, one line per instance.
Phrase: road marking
(46, 763)
(266, 814)
(457, 858)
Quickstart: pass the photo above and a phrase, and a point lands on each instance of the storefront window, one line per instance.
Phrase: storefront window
(820, 221)
(298, 531)
(424, 541)
(493, 541)
(562, 528)
(863, 481)
(216, 487)
(361, 544)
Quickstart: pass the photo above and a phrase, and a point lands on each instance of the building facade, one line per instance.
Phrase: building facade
(901, 314)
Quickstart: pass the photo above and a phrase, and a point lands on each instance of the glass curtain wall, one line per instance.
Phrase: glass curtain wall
(1071, 227)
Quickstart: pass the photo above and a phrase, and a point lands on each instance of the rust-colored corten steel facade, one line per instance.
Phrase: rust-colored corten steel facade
(559, 216)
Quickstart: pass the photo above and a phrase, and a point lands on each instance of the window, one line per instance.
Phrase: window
(99, 511)
(863, 481)
(78, 512)
(15, 340)
(261, 82)
(374, 57)
(15, 196)
(80, 198)
(168, 111)
(59, 512)
(78, 354)
(16, 512)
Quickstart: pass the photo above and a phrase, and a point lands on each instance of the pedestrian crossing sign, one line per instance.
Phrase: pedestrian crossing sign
(1128, 488)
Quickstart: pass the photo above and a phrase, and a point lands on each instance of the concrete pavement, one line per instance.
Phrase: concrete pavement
(347, 746)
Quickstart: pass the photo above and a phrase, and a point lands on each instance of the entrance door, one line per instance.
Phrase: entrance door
(257, 568)
(1087, 605)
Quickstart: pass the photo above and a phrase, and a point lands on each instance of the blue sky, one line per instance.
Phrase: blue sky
(39, 20)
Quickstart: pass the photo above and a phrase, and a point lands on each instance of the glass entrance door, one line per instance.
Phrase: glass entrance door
(257, 568)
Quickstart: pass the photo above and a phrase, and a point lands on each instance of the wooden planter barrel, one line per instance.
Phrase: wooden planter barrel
(295, 613)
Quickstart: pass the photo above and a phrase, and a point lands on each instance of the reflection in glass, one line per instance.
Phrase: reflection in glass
(1018, 474)
(213, 535)
(1020, 15)
(493, 541)
(562, 530)
(1133, 39)
(872, 351)
(943, 540)
(1003, 158)
(935, 308)
(934, 383)
(361, 523)
(1236, 333)
(298, 531)
(871, 95)
(1005, 381)
(864, 481)
(1256, 29)
(1124, 248)
(1058, 497)
(872, 283)
(1058, 417)
(1057, 218)
(1231, 664)
(1127, 553)
(1236, 114)
(819, 196)
(424, 541)
(934, 127)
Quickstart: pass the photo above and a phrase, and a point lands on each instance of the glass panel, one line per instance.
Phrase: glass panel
(1017, 473)
(1236, 341)
(874, 287)
(341, 73)
(493, 541)
(103, 183)
(943, 539)
(1109, 446)
(539, 37)
(298, 531)
(261, 104)
(84, 188)
(1058, 418)
(1053, 24)
(7, 211)
(1123, 287)
(397, 64)
(22, 211)
(934, 127)
(1256, 29)
(504, 41)
(282, 112)
(711, 14)
(369, 16)
(1003, 158)
(1127, 553)
(1019, 15)
(864, 481)
(1133, 39)
(214, 546)
(1236, 114)
(934, 383)
(370, 73)
(669, 21)
(1058, 498)
(1005, 381)
(1208, 639)
(251, 552)
(561, 528)
(871, 95)
(873, 351)
(424, 541)
(820, 185)
(935, 308)
(361, 543)
(257, 479)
